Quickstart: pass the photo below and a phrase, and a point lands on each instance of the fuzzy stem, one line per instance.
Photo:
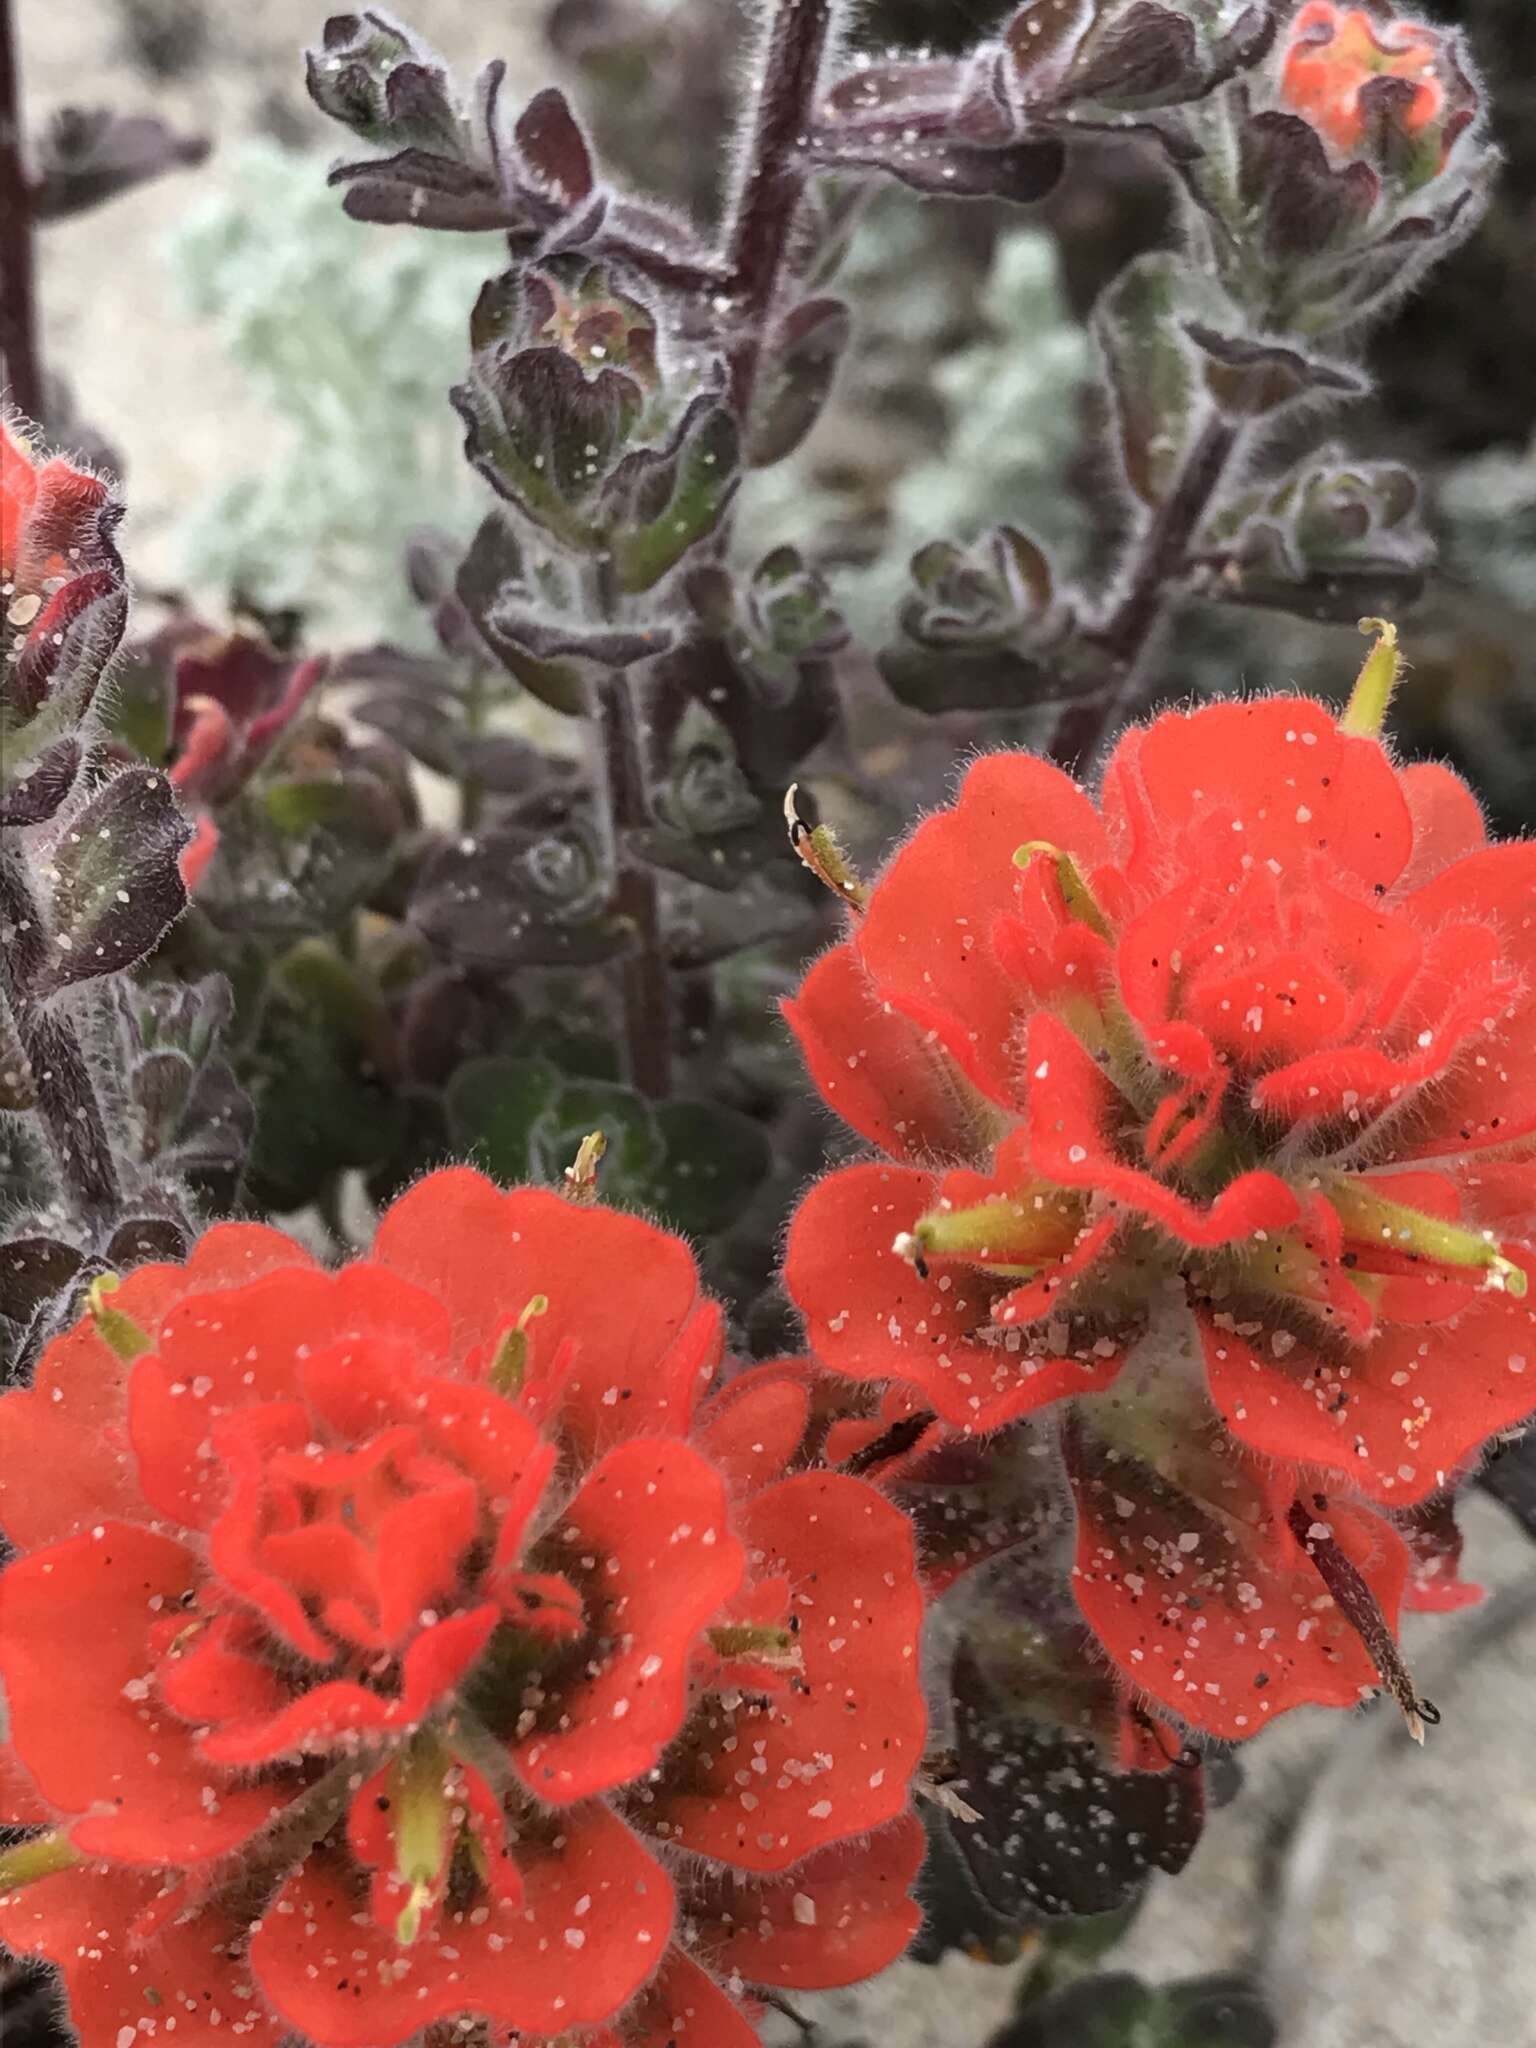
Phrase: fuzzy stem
(21, 376)
(775, 176)
(1134, 633)
(67, 1100)
(646, 989)
(471, 784)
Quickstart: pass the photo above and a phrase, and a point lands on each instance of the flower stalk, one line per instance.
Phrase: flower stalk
(1155, 590)
(21, 379)
(645, 979)
(774, 178)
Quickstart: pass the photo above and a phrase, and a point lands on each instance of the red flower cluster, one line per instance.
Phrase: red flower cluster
(1211, 1106)
(56, 561)
(414, 1642)
(1335, 54)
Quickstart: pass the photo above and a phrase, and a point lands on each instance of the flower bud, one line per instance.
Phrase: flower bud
(569, 418)
(1389, 91)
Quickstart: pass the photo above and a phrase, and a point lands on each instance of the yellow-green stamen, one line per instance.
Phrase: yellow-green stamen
(581, 1176)
(818, 848)
(1371, 1219)
(1013, 1233)
(118, 1331)
(509, 1364)
(1366, 712)
(778, 1647)
(42, 1856)
(1080, 900)
(421, 1822)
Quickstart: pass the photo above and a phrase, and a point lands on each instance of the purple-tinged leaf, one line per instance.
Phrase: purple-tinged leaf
(1060, 1831)
(416, 189)
(547, 638)
(116, 888)
(1043, 38)
(1020, 172)
(33, 1270)
(145, 1238)
(35, 794)
(1149, 56)
(88, 155)
(1249, 378)
(554, 148)
(800, 364)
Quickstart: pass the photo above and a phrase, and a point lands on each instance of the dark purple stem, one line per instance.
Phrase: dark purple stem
(646, 988)
(775, 177)
(1133, 636)
(21, 377)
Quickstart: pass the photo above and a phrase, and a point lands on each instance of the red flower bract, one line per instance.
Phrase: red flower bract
(57, 562)
(1335, 52)
(1230, 1069)
(379, 1639)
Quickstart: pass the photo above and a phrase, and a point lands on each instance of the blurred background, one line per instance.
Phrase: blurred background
(270, 379)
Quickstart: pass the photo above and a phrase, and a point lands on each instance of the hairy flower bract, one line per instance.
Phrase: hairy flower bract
(1209, 1112)
(416, 1642)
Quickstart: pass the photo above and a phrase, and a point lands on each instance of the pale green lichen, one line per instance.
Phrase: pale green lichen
(349, 337)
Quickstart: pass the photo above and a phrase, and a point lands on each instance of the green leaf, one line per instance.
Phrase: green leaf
(296, 806)
(703, 479)
(1216, 2012)
(1152, 371)
(1115, 2010)
(715, 1161)
(581, 1055)
(331, 988)
(320, 1110)
(493, 1106)
(142, 708)
(695, 1164)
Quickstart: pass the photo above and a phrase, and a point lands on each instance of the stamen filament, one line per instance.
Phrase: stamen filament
(1366, 712)
(42, 1856)
(776, 1647)
(421, 1822)
(117, 1330)
(1378, 1224)
(1079, 897)
(509, 1363)
(1011, 1234)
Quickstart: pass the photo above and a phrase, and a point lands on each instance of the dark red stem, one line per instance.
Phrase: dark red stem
(775, 176)
(1134, 634)
(21, 376)
(646, 987)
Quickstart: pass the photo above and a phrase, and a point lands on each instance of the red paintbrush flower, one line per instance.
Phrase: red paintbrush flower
(1229, 1071)
(408, 1643)
(1334, 53)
